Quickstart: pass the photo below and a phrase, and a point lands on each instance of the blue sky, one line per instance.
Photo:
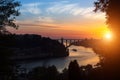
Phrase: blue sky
(60, 18)
(85, 3)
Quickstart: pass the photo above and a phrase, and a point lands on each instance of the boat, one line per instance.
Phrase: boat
(75, 50)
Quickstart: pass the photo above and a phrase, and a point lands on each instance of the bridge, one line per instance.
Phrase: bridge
(69, 42)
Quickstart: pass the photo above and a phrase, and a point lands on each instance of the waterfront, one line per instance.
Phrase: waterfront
(83, 55)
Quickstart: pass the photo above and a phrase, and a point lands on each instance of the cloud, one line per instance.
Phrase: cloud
(74, 9)
(45, 19)
(47, 15)
(60, 8)
(37, 25)
(32, 8)
(30, 23)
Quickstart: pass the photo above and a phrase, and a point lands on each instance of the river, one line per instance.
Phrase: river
(83, 55)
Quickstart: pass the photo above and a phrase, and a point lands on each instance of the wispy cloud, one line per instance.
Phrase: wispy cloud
(30, 23)
(74, 9)
(32, 8)
(43, 19)
(61, 8)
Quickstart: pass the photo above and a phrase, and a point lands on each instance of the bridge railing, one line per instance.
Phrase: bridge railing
(69, 42)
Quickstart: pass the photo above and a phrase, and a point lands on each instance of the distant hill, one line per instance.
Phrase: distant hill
(32, 46)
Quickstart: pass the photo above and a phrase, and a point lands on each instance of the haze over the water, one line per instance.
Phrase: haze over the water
(61, 18)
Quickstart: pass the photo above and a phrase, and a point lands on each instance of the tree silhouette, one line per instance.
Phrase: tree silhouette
(74, 71)
(43, 73)
(111, 64)
(8, 11)
(111, 8)
(7, 66)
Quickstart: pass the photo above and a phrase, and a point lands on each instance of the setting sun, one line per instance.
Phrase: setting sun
(108, 35)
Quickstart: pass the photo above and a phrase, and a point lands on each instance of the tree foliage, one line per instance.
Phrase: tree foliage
(74, 71)
(8, 11)
(7, 66)
(111, 8)
(111, 54)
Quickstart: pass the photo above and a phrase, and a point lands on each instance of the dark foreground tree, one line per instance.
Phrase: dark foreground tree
(7, 67)
(111, 64)
(111, 8)
(43, 73)
(74, 71)
(8, 11)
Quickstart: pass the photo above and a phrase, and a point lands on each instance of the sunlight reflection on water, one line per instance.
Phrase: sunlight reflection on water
(83, 55)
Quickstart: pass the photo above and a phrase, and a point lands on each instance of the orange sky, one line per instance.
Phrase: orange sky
(67, 30)
(61, 19)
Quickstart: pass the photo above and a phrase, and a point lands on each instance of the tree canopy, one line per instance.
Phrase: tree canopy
(111, 62)
(8, 11)
(111, 8)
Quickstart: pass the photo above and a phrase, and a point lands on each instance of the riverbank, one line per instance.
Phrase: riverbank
(83, 55)
(31, 46)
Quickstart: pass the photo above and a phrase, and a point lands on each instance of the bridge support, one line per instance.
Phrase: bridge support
(69, 42)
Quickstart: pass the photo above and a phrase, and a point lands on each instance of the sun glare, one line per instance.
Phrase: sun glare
(108, 35)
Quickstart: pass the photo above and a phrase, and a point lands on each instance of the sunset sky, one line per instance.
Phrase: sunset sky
(60, 18)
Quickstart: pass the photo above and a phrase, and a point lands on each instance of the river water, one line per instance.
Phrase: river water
(83, 56)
